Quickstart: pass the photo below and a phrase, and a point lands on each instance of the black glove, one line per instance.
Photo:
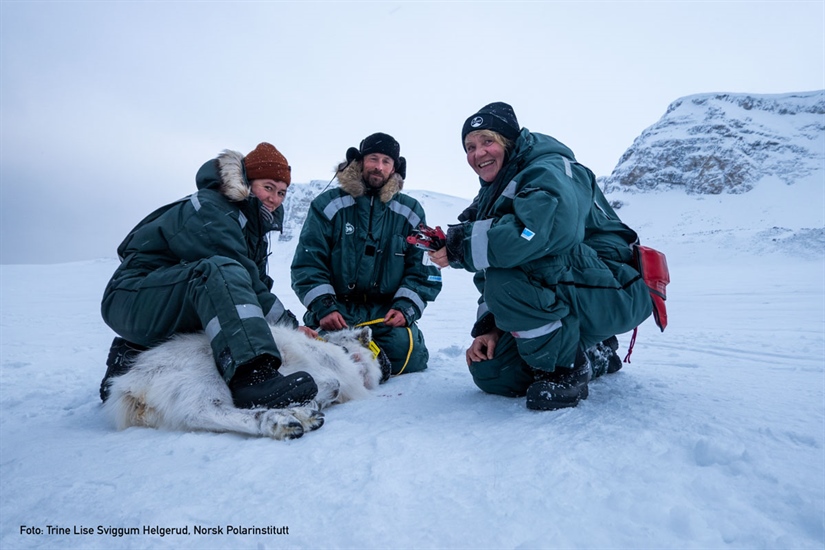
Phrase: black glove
(288, 319)
(484, 325)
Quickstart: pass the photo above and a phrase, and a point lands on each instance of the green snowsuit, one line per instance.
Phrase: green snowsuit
(353, 257)
(550, 258)
(200, 264)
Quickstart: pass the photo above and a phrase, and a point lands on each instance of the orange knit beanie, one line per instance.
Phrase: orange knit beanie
(266, 162)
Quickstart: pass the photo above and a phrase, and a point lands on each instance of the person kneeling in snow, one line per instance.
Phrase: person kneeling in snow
(550, 258)
(200, 264)
(353, 264)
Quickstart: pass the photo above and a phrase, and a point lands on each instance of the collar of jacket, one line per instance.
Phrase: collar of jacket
(530, 146)
(350, 179)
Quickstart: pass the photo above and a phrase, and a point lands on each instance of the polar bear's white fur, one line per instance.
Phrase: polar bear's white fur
(176, 385)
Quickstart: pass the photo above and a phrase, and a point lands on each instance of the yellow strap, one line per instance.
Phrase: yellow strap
(409, 351)
(373, 322)
(374, 349)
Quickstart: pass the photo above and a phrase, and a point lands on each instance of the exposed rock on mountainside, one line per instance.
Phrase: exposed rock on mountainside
(296, 206)
(727, 143)
(715, 147)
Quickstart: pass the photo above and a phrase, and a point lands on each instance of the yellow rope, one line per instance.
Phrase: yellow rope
(373, 322)
(409, 331)
(409, 352)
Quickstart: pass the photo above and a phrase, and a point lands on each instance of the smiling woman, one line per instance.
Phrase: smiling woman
(200, 264)
(551, 259)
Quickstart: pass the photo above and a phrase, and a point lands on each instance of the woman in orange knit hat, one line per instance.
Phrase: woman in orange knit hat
(200, 264)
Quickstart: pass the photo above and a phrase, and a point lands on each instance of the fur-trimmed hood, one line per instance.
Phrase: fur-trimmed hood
(225, 174)
(351, 181)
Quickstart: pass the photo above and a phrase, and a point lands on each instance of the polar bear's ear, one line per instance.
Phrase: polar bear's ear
(364, 336)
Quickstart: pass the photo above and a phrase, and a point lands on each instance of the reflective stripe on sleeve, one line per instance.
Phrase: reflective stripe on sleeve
(410, 295)
(479, 244)
(275, 312)
(568, 169)
(247, 311)
(482, 310)
(536, 332)
(212, 328)
(319, 290)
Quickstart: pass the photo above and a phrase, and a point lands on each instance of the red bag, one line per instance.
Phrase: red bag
(652, 264)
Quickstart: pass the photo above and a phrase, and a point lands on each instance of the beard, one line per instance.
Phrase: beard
(375, 179)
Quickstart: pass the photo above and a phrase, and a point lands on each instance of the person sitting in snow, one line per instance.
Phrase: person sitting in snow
(200, 264)
(550, 258)
(353, 264)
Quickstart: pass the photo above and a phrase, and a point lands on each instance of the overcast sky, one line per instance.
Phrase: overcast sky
(109, 108)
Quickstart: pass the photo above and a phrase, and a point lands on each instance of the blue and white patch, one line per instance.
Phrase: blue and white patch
(527, 234)
(349, 229)
(436, 278)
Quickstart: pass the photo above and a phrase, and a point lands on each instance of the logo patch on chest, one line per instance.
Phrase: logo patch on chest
(349, 229)
(527, 234)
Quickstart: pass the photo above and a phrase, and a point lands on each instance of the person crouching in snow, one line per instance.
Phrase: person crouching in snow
(550, 258)
(353, 264)
(200, 264)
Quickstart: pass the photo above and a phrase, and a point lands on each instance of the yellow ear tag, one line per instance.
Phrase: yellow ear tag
(374, 349)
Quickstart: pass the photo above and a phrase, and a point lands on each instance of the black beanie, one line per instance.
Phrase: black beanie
(380, 143)
(498, 117)
(376, 143)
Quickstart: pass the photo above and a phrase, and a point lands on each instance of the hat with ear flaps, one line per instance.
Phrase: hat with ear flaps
(380, 143)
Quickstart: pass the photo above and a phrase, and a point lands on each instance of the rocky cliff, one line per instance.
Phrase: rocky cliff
(727, 143)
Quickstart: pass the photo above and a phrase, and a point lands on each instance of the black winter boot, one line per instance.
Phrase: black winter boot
(603, 357)
(562, 388)
(259, 384)
(615, 362)
(122, 354)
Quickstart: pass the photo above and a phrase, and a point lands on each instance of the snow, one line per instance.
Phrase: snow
(712, 437)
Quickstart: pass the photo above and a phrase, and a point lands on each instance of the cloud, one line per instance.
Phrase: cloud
(112, 106)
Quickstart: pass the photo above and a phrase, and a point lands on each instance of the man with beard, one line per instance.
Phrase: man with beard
(353, 264)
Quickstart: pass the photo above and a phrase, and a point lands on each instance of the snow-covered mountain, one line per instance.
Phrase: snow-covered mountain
(767, 151)
(727, 143)
(301, 194)
(296, 205)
